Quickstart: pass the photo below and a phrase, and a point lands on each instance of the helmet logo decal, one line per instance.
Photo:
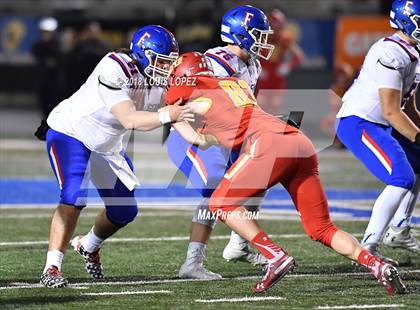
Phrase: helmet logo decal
(143, 38)
(407, 8)
(248, 18)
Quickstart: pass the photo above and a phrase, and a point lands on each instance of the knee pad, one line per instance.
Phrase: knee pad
(322, 233)
(121, 215)
(202, 214)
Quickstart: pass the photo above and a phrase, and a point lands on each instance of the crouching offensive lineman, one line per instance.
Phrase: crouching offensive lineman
(271, 152)
(85, 142)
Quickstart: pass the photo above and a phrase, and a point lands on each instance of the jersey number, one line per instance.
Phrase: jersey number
(239, 92)
(224, 54)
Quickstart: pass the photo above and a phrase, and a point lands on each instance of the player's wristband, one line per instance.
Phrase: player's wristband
(417, 139)
(164, 117)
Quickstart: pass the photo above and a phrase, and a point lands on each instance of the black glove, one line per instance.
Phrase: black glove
(41, 131)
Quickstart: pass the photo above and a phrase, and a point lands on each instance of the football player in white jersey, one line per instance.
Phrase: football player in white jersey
(85, 142)
(245, 29)
(380, 124)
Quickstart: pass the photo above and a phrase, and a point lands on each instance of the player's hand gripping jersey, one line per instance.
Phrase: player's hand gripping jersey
(233, 114)
(390, 63)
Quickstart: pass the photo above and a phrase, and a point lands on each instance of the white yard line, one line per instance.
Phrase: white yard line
(127, 293)
(239, 299)
(153, 239)
(23, 285)
(362, 306)
(37, 215)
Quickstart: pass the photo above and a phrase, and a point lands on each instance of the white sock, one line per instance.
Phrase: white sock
(382, 213)
(91, 242)
(404, 213)
(54, 258)
(195, 252)
(236, 239)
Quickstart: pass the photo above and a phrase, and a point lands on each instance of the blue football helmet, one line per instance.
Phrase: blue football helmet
(405, 16)
(156, 49)
(248, 27)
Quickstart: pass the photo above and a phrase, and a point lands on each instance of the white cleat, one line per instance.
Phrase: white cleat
(193, 267)
(403, 238)
(373, 248)
(197, 271)
(242, 252)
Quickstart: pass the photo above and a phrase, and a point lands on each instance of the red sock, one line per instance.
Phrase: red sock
(267, 247)
(369, 261)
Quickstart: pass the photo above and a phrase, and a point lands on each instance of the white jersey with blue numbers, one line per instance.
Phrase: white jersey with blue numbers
(225, 64)
(86, 115)
(390, 63)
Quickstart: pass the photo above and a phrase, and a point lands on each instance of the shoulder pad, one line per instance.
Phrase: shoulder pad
(397, 53)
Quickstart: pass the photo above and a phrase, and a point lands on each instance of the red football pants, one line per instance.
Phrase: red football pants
(271, 158)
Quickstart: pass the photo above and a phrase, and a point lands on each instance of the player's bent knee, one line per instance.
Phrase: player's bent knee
(405, 181)
(322, 233)
(121, 215)
(70, 207)
(74, 198)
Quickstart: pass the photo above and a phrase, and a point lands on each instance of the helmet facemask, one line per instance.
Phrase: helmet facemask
(261, 48)
(416, 32)
(159, 65)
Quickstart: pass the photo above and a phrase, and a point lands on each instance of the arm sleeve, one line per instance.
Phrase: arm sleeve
(111, 97)
(113, 85)
(389, 70)
(388, 77)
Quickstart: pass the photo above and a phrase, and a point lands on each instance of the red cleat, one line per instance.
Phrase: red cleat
(388, 276)
(274, 273)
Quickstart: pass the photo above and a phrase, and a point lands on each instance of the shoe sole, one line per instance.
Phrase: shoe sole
(198, 278)
(396, 283)
(186, 275)
(244, 260)
(398, 246)
(291, 267)
(59, 285)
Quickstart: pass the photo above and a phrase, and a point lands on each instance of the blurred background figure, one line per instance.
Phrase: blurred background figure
(89, 48)
(287, 56)
(343, 78)
(46, 51)
(68, 71)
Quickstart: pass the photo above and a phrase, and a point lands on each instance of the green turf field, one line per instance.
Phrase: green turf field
(145, 264)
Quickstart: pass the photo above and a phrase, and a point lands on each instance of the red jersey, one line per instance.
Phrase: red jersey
(233, 114)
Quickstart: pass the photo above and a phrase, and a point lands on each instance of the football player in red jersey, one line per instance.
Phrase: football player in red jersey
(271, 152)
